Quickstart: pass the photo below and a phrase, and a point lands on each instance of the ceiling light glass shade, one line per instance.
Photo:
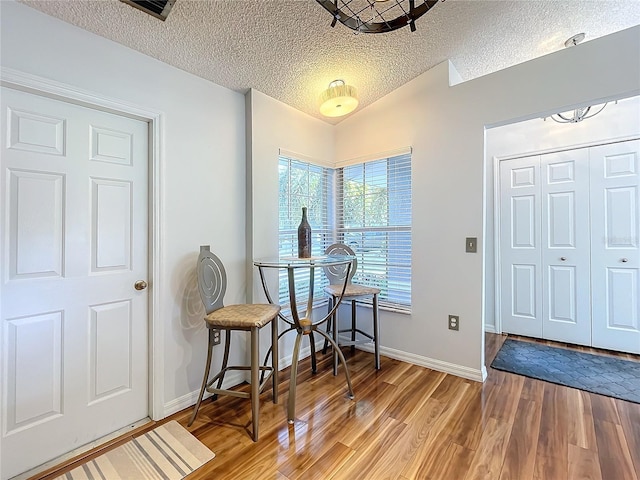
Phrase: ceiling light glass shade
(378, 16)
(339, 99)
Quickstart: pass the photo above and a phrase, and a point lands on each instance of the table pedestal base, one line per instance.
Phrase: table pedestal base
(291, 407)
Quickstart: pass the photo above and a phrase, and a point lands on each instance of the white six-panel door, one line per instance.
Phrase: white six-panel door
(615, 213)
(569, 240)
(74, 242)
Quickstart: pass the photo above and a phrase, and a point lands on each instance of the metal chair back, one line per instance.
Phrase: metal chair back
(212, 280)
(336, 274)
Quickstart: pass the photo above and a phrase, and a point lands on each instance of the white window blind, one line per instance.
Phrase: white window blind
(373, 209)
(367, 206)
(304, 184)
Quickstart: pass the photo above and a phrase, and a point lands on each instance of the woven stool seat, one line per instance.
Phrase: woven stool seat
(352, 290)
(243, 316)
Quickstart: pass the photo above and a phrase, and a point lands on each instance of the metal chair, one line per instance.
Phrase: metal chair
(353, 292)
(212, 284)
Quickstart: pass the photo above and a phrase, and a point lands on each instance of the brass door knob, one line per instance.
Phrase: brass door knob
(140, 285)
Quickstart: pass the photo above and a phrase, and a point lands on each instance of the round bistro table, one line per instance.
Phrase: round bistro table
(305, 325)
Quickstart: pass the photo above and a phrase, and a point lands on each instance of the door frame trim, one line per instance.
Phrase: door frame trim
(497, 284)
(60, 91)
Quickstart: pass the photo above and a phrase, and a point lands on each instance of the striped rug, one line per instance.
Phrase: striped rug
(167, 452)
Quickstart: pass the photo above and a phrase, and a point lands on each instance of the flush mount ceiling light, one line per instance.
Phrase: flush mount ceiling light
(339, 99)
(376, 16)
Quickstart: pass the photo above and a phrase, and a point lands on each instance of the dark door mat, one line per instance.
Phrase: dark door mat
(610, 376)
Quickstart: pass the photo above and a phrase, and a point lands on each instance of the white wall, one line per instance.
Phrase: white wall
(617, 120)
(206, 200)
(203, 157)
(271, 126)
(446, 128)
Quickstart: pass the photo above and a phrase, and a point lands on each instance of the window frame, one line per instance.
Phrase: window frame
(398, 178)
(396, 298)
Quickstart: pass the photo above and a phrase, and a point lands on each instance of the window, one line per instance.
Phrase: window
(366, 206)
(304, 185)
(374, 219)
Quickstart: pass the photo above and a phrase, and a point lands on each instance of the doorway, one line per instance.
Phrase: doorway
(566, 291)
(75, 319)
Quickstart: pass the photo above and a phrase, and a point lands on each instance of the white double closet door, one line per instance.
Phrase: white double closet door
(569, 246)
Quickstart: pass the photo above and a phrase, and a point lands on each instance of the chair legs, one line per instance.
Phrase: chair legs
(353, 325)
(274, 358)
(334, 335)
(376, 333)
(255, 381)
(332, 328)
(207, 368)
(255, 370)
(329, 322)
(225, 360)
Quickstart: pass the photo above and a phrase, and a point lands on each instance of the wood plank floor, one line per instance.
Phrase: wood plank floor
(409, 422)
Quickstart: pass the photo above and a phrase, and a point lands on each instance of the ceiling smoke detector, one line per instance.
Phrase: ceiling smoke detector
(157, 8)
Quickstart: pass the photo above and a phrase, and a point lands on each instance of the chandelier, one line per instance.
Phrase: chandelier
(377, 16)
(581, 113)
(577, 115)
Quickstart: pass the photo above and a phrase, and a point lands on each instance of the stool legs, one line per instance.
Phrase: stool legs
(353, 325)
(225, 360)
(274, 358)
(255, 381)
(254, 394)
(326, 343)
(207, 368)
(376, 332)
(332, 328)
(336, 347)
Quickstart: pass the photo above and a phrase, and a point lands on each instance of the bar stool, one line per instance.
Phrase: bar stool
(353, 292)
(212, 284)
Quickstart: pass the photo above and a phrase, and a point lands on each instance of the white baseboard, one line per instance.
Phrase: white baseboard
(230, 380)
(432, 363)
(305, 352)
(489, 328)
(236, 378)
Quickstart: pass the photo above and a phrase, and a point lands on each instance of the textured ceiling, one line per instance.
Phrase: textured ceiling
(287, 49)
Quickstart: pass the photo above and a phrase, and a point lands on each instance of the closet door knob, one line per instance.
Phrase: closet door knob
(624, 260)
(562, 259)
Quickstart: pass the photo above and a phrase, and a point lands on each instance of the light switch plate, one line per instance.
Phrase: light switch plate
(471, 245)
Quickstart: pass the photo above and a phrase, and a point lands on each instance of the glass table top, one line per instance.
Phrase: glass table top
(296, 262)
